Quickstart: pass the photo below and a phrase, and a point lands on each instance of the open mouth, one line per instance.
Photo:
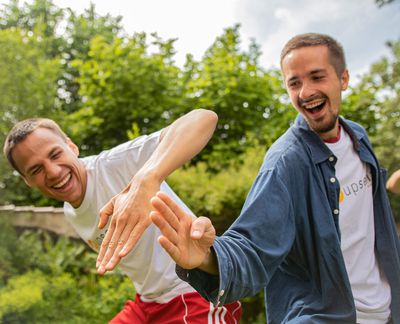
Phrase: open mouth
(314, 106)
(63, 183)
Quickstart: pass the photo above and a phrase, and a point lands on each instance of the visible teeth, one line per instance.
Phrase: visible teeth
(313, 104)
(63, 181)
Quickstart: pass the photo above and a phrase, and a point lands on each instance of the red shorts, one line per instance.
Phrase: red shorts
(189, 308)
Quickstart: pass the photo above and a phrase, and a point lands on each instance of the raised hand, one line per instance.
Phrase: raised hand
(129, 212)
(186, 239)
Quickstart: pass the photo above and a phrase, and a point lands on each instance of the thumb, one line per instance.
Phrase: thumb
(199, 227)
(105, 213)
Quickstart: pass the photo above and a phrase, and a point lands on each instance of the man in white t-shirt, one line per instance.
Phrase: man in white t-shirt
(128, 175)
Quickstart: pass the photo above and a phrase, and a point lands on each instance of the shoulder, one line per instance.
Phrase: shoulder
(355, 127)
(137, 145)
(286, 151)
(141, 146)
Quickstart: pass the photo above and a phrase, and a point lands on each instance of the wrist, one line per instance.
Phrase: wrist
(210, 262)
(149, 175)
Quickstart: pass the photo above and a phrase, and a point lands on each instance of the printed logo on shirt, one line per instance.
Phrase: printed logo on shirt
(355, 188)
(95, 245)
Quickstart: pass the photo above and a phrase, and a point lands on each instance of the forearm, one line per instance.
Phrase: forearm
(180, 142)
(393, 184)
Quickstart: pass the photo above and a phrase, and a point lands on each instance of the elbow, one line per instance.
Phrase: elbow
(393, 188)
(208, 116)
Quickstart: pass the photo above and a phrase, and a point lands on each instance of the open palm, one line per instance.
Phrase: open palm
(186, 239)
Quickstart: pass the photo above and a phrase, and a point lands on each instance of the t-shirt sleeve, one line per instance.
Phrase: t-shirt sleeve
(127, 158)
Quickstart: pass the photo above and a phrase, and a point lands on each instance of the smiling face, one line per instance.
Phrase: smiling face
(315, 88)
(50, 163)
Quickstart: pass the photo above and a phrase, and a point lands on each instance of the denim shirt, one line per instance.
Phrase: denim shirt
(287, 238)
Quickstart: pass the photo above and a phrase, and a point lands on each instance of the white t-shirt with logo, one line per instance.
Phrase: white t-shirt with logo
(148, 265)
(370, 288)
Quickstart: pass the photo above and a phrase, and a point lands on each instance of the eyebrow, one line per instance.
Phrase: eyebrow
(316, 71)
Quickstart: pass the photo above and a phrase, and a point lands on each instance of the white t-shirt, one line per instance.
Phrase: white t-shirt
(370, 288)
(148, 265)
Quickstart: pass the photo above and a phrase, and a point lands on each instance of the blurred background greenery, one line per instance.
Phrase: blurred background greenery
(104, 88)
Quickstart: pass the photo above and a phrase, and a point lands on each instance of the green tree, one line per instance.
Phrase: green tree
(382, 3)
(37, 78)
(79, 31)
(41, 17)
(64, 34)
(28, 83)
(246, 97)
(376, 101)
(124, 86)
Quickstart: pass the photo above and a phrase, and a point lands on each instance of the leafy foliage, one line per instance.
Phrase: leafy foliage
(47, 280)
(122, 85)
(218, 196)
(105, 87)
(28, 83)
(382, 84)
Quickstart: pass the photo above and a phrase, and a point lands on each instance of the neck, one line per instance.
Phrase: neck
(333, 139)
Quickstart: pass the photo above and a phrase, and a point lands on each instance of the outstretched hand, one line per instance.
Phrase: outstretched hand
(129, 212)
(186, 240)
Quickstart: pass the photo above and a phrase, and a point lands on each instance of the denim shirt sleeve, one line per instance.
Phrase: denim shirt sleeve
(253, 247)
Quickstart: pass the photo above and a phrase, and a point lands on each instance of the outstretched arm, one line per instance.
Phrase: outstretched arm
(393, 184)
(130, 209)
(188, 241)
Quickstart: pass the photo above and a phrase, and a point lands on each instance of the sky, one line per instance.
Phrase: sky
(360, 25)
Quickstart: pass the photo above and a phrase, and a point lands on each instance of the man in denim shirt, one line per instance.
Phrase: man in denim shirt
(316, 230)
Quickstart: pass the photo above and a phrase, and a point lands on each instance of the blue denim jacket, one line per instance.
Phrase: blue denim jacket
(287, 238)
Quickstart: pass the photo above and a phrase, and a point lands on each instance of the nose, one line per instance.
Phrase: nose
(306, 91)
(53, 170)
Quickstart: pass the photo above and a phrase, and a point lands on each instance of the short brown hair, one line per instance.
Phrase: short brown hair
(336, 53)
(22, 129)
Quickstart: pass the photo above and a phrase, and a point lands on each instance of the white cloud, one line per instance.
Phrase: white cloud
(360, 26)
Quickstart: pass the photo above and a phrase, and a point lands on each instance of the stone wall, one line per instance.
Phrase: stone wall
(48, 218)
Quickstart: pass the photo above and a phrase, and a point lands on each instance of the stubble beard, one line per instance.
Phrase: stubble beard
(321, 127)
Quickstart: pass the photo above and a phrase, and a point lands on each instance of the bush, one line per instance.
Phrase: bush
(53, 280)
(219, 196)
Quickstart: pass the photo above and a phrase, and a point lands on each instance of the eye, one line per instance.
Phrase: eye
(293, 84)
(55, 156)
(318, 77)
(35, 171)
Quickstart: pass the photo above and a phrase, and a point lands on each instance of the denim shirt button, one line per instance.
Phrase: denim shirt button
(333, 180)
(331, 159)
(336, 211)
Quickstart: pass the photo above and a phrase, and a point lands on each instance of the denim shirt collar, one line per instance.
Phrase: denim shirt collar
(319, 151)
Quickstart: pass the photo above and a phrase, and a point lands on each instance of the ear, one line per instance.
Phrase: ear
(344, 80)
(73, 146)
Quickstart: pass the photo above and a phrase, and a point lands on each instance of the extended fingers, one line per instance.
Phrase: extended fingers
(171, 204)
(119, 246)
(166, 229)
(135, 232)
(169, 247)
(112, 244)
(165, 211)
(105, 213)
(103, 249)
